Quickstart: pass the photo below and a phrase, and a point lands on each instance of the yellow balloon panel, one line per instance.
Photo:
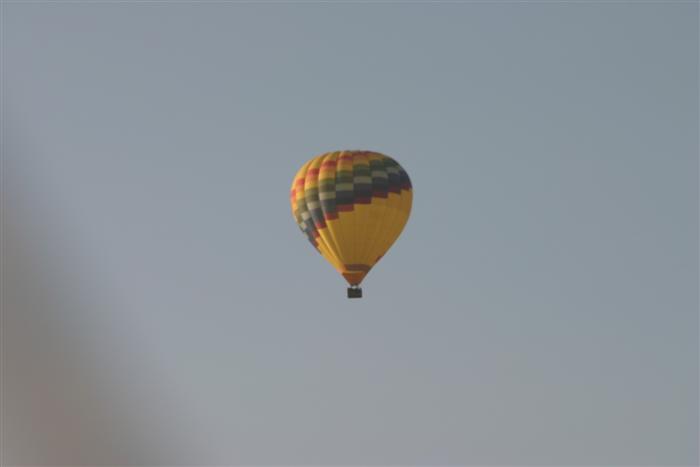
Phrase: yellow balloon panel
(352, 206)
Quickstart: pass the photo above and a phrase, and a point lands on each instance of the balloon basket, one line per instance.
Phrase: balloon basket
(354, 292)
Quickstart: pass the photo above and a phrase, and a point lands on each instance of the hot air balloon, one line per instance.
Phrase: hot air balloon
(352, 206)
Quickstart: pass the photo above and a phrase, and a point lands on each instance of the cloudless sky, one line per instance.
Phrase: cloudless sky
(162, 307)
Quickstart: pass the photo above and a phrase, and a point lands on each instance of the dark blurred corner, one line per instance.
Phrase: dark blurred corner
(74, 391)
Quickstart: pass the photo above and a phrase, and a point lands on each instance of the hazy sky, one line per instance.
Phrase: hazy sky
(160, 306)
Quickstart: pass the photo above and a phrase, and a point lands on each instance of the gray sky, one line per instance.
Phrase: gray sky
(160, 305)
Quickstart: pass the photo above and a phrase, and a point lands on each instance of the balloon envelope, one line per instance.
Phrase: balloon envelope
(352, 206)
